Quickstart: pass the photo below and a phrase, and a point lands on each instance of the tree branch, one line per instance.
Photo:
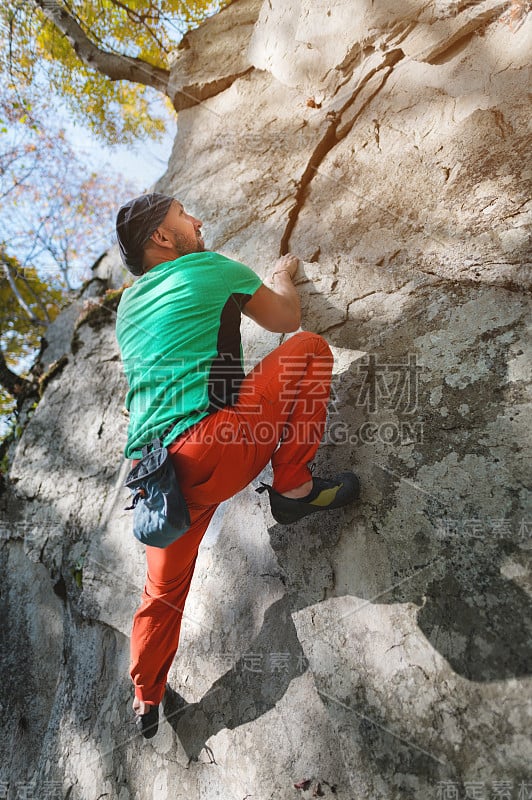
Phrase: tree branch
(37, 299)
(142, 18)
(114, 66)
(14, 384)
(14, 288)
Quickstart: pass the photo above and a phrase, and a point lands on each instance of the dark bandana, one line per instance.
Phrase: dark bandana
(135, 223)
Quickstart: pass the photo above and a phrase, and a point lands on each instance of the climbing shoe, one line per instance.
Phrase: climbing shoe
(324, 496)
(147, 724)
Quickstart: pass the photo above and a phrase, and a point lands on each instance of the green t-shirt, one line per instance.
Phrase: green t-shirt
(178, 329)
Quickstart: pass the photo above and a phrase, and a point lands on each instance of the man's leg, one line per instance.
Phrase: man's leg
(157, 622)
(288, 394)
(213, 461)
(290, 388)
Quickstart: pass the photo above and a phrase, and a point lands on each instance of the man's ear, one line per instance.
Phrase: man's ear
(159, 238)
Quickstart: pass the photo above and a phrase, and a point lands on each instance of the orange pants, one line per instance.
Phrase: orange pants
(283, 399)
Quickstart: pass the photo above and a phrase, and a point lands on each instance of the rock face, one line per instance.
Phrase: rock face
(383, 652)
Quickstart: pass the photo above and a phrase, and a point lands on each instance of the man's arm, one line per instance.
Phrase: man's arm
(277, 309)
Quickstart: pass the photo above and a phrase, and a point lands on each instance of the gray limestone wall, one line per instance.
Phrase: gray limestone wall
(382, 652)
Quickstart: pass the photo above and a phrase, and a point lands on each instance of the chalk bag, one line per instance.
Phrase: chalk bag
(160, 513)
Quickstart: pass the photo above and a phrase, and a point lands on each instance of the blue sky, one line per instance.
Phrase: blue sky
(141, 164)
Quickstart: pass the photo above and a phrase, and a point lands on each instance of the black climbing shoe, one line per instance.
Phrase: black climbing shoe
(147, 724)
(324, 496)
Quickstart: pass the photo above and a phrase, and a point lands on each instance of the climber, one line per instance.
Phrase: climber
(178, 329)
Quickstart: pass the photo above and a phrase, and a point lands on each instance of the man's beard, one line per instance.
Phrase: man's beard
(185, 246)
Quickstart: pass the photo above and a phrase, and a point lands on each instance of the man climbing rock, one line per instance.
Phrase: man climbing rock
(178, 328)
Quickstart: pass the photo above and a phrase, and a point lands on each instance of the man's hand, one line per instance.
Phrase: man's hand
(277, 309)
(286, 264)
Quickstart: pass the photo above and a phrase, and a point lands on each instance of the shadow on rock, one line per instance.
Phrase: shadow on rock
(479, 621)
(246, 691)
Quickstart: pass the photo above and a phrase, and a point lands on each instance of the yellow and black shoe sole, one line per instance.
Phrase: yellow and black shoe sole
(335, 493)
